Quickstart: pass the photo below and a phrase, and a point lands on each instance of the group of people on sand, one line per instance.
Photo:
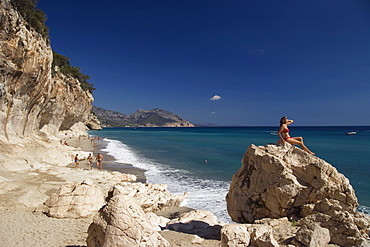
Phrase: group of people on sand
(90, 158)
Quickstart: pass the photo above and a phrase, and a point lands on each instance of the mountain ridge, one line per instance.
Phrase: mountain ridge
(141, 118)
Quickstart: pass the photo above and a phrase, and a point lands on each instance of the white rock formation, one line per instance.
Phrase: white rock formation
(122, 222)
(151, 197)
(261, 236)
(158, 222)
(197, 215)
(238, 235)
(35, 103)
(75, 200)
(32, 99)
(235, 235)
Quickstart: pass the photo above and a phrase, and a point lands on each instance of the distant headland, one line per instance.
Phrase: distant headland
(141, 118)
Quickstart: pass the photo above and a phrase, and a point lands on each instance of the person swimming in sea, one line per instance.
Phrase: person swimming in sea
(283, 133)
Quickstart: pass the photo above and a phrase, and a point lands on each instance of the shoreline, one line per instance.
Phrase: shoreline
(24, 191)
(110, 163)
(172, 177)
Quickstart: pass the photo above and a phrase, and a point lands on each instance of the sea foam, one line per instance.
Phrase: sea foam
(203, 193)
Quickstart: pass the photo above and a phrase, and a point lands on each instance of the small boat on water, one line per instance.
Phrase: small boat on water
(351, 133)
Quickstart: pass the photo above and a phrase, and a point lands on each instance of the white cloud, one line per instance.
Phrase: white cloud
(216, 97)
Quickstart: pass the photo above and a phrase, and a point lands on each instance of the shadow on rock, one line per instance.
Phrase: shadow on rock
(195, 227)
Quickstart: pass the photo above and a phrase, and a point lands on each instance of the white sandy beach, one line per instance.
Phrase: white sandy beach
(23, 192)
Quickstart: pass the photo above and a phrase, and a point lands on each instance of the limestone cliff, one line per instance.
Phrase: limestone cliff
(36, 101)
(33, 101)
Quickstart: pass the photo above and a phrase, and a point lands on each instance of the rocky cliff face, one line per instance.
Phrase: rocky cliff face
(141, 118)
(33, 101)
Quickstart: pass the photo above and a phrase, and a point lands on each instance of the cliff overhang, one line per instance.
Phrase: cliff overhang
(35, 104)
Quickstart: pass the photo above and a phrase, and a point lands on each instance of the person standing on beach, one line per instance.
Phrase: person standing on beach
(77, 161)
(284, 135)
(90, 160)
(99, 161)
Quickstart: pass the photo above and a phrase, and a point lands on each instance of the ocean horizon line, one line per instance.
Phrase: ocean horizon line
(240, 126)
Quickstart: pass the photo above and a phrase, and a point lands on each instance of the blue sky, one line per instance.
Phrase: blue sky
(308, 60)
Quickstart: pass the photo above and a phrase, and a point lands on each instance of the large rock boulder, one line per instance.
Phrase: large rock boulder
(284, 181)
(75, 200)
(274, 182)
(122, 222)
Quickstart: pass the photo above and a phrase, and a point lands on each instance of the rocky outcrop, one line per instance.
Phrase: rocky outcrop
(151, 197)
(32, 99)
(141, 118)
(284, 181)
(123, 222)
(313, 235)
(128, 219)
(75, 200)
(235, 235)
(93, 123)
(345, 229)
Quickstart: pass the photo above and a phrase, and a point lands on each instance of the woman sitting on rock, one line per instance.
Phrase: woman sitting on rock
(284, 135)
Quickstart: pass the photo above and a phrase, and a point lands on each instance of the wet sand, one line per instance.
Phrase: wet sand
(111, 164)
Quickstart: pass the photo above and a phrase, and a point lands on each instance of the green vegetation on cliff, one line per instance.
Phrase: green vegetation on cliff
(35, 17)
(155, 119)
(65, 67)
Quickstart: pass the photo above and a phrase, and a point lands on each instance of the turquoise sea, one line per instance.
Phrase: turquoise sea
(202, 160)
